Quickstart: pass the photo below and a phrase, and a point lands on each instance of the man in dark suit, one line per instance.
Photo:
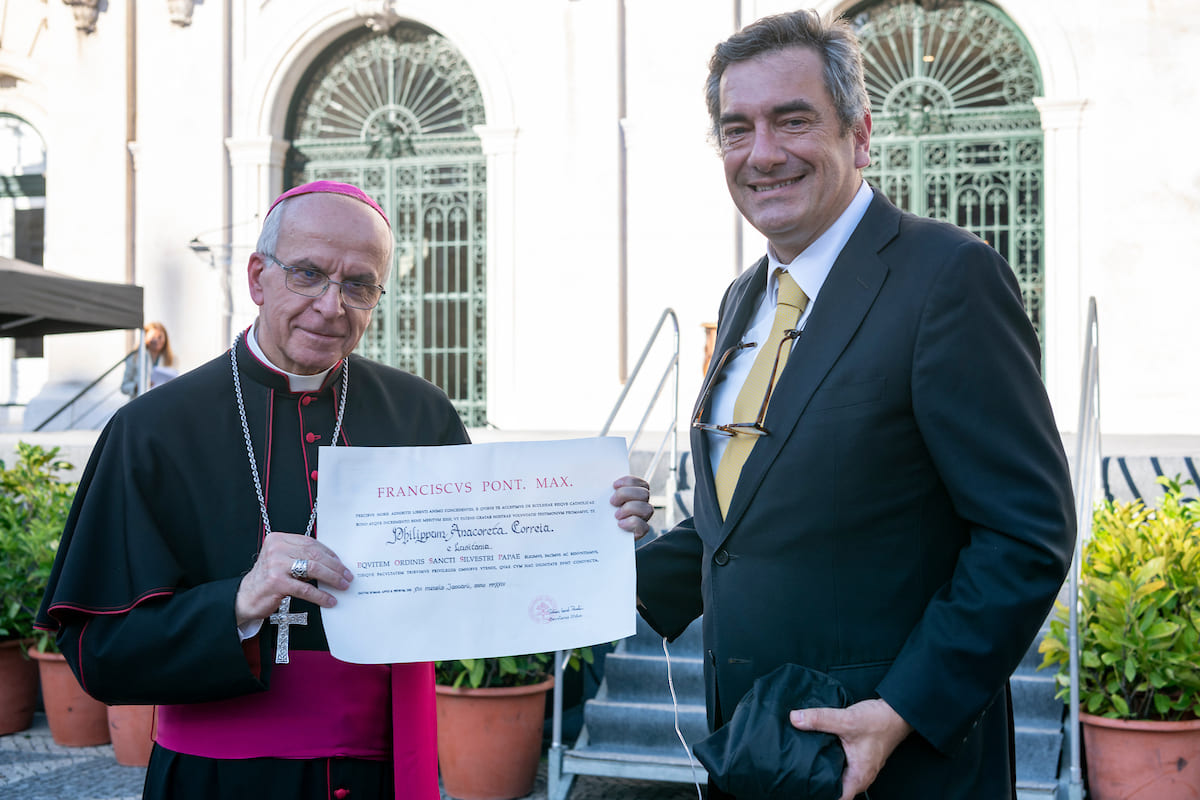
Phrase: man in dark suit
(899, 515)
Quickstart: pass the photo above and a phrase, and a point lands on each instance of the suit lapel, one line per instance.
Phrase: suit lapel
(845, 299)
(741, 300)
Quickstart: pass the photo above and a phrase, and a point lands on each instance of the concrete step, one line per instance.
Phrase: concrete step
(689, 644)
(586, 759)
(642, 728)
(643, 679)
(1033, 698)
(1038, 717)
(1038, 750)
(1039, 790)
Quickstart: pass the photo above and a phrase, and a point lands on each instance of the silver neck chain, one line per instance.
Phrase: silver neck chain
(337, 428)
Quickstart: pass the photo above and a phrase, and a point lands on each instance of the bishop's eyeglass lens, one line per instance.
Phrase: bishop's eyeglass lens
(314, 283)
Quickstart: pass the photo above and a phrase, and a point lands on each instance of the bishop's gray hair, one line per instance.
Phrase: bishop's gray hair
(268, 237)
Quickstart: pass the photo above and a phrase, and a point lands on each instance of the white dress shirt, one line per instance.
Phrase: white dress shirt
(809, 270)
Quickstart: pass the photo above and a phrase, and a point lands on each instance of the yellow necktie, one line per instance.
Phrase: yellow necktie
(792, 301)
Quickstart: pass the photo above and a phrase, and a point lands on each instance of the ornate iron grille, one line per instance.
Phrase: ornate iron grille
(955, 133)
(394, 113)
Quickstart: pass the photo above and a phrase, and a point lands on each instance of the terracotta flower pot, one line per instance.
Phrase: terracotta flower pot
(18, 687)
(490, 740)
(75, 718)
(1141, 760)
(132, 732)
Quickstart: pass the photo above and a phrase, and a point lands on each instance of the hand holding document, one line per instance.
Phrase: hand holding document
(472, 551)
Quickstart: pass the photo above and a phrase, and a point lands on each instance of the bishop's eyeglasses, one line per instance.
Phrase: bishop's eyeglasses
(314, 283)
(755, 428)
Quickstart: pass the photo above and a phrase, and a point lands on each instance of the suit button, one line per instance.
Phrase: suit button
(721, 557)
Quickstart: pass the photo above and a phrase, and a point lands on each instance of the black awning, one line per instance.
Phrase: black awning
(37, 302)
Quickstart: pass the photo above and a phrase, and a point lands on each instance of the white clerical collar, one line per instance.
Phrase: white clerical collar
(812, 266)
(297, 383)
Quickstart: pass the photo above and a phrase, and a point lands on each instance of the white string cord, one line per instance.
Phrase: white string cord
(675, 706)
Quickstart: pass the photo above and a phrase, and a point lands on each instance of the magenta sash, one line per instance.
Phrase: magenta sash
(319, 707)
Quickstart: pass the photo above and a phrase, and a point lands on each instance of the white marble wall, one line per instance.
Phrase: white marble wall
(202, 155)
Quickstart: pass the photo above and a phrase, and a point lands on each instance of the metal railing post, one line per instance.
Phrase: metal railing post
(1087, 460)
(558, 782)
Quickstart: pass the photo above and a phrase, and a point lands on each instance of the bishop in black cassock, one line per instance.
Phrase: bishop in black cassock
(187, 542)
(167, 524)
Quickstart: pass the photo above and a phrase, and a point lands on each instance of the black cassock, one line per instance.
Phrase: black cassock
(165, 524)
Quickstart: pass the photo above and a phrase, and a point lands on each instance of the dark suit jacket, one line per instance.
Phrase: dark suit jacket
(908, 521)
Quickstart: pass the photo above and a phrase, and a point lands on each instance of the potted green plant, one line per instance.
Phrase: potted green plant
(490, 713)
(34, 502)
(1139, 642)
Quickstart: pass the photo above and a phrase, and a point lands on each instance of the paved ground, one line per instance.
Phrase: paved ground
(33, 767)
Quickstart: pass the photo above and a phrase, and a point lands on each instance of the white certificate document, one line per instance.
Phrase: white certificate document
(473, 551)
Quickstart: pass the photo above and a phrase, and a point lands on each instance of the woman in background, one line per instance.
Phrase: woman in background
(162, 360)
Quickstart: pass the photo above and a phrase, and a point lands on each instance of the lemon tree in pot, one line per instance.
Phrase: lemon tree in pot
(1139, 641)
(34, 502)
(490, 713)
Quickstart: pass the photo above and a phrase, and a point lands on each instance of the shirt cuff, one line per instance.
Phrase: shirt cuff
(249, 630)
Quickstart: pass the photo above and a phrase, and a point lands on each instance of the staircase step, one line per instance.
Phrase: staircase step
(1034, 700)
(585, 759)
(689, 644)
(1037, 790)
(643, 679)
(1038, 751)
(644, 728)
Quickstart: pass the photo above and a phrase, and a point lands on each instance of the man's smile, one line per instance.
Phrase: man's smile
(767, 187)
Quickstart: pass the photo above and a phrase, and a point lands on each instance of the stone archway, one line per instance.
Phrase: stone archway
(395, 112)
(956, 133)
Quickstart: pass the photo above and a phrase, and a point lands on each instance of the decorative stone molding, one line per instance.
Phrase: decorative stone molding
(181, 11)
(86, 13)
(496, 140)
(379, 15)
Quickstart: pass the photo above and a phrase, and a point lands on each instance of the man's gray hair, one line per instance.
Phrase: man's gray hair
(832, 39)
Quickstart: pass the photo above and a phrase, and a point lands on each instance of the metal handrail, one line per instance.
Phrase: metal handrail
(78, 395)
(1087, 465)
(671, 435)
(555, 766)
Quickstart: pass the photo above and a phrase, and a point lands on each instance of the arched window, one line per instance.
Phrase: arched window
(395, 113)
(955, 133)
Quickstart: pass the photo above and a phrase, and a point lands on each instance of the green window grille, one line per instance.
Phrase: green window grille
(395, 113)
(955, 133)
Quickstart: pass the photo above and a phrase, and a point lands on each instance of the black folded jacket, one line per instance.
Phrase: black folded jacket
(758, 755)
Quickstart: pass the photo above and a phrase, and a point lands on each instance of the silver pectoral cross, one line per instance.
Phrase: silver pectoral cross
(284, 619)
